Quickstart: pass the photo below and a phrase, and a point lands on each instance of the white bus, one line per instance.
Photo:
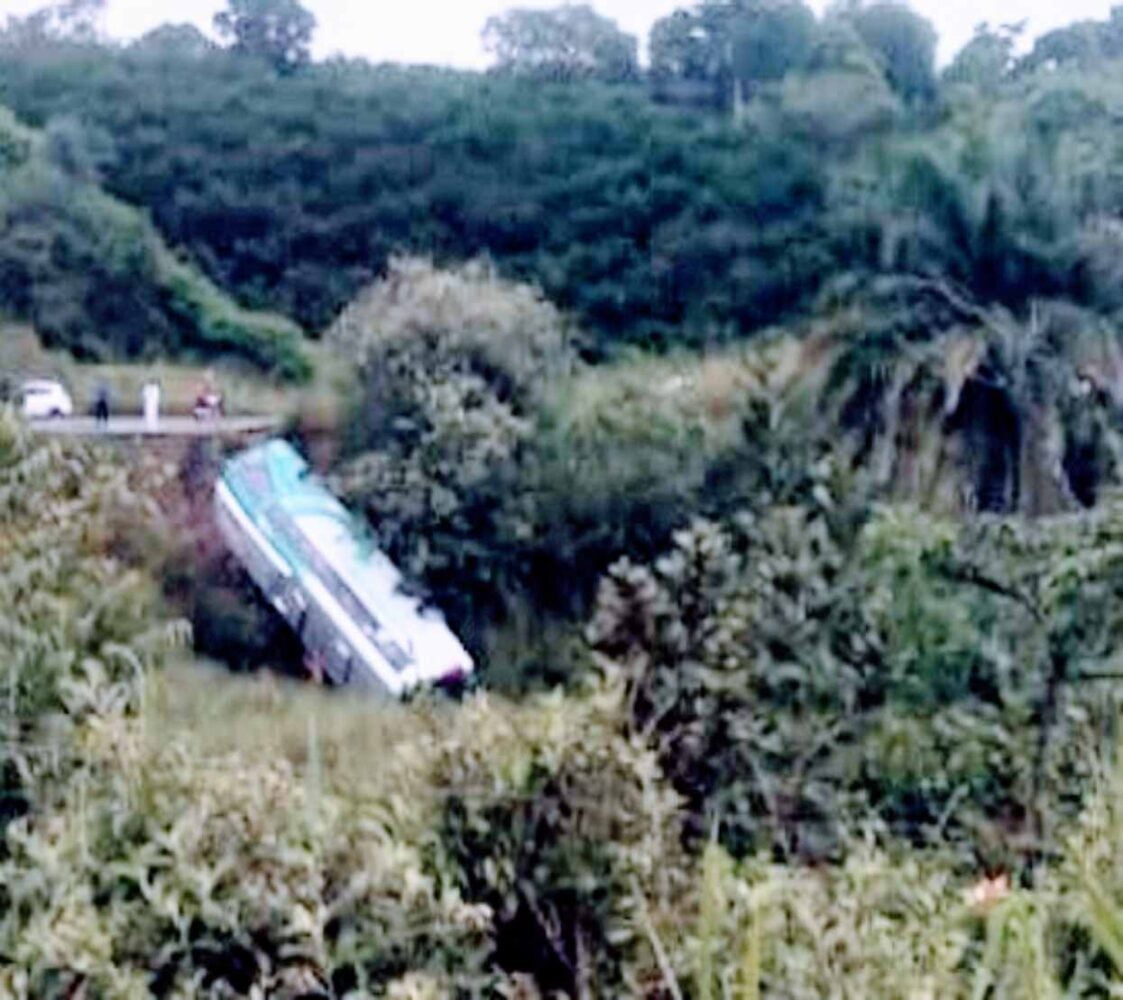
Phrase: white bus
(317, 566)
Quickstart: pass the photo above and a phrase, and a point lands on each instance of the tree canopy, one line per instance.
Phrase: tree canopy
(723, 50)
(277, 31)
(988, 59)
(70, 20)
(905, 45)
(170, 41)
(571, 42)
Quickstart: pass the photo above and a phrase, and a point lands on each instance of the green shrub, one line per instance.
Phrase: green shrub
(180, 876)
(796, 673)
(79, 627)
(504, 479)
(217, 326)
(452, 364)
(566, 832)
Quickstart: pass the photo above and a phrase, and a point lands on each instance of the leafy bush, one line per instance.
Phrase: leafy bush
(504, 481)
(451, 364)
(186, 877)
(79, 627)
(778, 671)
(217, 326)
(891, 923)
(562, 829)
(80, 623)
(795, 673)
(877, 924)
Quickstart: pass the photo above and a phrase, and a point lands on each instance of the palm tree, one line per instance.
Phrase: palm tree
(965, 407)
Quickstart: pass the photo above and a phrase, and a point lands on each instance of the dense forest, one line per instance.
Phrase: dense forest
(656, 218)
(752, 412)
(94, 276)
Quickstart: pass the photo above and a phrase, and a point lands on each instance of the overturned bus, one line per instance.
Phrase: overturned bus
(318, 567)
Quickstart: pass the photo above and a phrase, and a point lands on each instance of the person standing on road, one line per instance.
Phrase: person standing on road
(101, 405)
(150, 397)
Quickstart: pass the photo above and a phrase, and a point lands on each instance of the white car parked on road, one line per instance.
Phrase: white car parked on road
(40, 398)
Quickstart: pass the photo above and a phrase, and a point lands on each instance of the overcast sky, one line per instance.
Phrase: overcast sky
(447, 31)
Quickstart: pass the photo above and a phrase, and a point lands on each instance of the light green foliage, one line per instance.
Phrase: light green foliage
(153, 861)
(624, 454)
(874, 926)
(80, 622)
(467, 317)
(565, 830)
(642, 429)
(488, 835)
(219, 326)
(219, 877)
(892, 923)
(1089, 877)
(79, 627)
(839, 109)
(841, 99)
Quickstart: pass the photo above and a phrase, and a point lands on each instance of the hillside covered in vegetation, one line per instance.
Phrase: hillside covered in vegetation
(754, 416)
(95, 278)
(655, 219)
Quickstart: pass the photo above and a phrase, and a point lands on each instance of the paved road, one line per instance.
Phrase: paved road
(166, 427)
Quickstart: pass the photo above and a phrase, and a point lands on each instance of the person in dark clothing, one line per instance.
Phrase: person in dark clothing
(101, 405)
